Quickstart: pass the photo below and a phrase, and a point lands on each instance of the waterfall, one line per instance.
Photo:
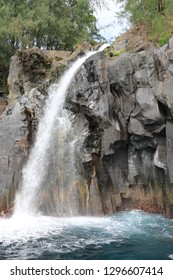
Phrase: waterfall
(34, 172)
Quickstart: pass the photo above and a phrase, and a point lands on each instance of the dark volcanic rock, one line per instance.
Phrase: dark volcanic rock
(122, 113)
(29, 75)
(127, 101)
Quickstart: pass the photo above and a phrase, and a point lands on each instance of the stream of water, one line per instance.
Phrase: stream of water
(35, 170)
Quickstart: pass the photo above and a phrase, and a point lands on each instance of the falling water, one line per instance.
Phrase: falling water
(131, 235)
(34, 172)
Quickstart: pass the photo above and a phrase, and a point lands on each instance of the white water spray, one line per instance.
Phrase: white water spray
(33, 173)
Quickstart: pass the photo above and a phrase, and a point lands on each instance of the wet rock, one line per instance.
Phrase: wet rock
(169, 147)
(121, 109)
(149, 110)
(132, 161)
(171, 43)
(3, 102)
(20, 112)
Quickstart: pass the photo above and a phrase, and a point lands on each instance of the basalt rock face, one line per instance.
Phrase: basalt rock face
(127, 104)
(121, 108)
(30, 73)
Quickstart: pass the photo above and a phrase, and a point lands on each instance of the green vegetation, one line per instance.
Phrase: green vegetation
(155, 15)
(109, 53)
(50, 24)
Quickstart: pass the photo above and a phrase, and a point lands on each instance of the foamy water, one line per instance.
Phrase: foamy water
(125, 235)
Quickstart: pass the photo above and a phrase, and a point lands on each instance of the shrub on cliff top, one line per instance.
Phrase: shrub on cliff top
(155, 15)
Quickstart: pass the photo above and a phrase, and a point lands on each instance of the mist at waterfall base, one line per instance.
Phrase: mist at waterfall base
(28, 234)
(131, 235)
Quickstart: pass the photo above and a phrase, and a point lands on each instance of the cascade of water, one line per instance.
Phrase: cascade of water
(34, 171)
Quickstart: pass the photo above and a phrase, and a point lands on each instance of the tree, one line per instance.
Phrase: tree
(98, 3)
(156, 15)
(52, 24)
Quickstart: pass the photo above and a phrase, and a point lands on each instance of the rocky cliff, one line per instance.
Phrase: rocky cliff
(30, 73)
(121, 106)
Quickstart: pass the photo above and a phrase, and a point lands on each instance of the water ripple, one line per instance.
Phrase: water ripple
(125, 235)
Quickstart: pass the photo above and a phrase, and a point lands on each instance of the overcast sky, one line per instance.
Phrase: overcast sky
(108, 23)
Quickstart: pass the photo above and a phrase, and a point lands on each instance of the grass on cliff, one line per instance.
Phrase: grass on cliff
(110, 53)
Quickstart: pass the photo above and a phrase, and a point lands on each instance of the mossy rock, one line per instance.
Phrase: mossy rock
(111, 53)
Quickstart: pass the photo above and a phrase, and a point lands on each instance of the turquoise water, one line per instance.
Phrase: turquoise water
(131, 235)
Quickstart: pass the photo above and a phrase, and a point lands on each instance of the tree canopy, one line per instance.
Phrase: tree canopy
(156, 15)
(55, 24)
(51, 24)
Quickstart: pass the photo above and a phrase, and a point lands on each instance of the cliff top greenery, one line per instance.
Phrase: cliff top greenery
(155, 15)
(61, 24)
(50, 24)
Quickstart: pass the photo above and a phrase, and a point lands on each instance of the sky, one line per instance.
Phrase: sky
(108, 23)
